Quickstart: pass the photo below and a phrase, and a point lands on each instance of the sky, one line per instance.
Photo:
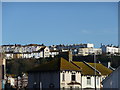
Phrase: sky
(53, 23)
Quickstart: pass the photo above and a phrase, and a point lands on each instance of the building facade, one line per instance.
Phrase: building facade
(55, 74)
(61, 73)
(110, 49)
(113, 80)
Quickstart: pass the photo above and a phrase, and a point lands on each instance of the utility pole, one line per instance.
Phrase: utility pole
(95, 68)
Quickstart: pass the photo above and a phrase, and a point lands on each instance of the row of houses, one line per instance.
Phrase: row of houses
(42, 51)
(61, 73)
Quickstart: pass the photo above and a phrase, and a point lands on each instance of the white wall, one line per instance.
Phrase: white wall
(68, 79)
(92, 85)
(111, 49)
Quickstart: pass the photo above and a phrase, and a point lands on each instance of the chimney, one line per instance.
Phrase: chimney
(109, 64)
(70, 56)
(66, 55)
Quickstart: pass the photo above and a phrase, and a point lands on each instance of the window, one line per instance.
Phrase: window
(63, 77)
(97, 80)
(88, 80)
(73, 78)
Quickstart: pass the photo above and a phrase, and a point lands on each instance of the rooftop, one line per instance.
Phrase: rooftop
(101, 68)
(56, 65)
(86, 70)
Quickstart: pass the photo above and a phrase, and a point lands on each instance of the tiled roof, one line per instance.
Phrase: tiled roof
(86, 70)
(101, 68)
(56, 65)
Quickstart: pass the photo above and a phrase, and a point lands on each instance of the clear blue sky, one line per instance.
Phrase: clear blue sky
(60, 23)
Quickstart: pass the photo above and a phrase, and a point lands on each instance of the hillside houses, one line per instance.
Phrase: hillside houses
(25, 51)
(42, 51)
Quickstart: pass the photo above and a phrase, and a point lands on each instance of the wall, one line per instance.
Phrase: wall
(85, 85)
(68, 79)
(46, 78)
(112, 81)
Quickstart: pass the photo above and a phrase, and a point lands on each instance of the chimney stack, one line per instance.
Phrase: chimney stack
(70, 56)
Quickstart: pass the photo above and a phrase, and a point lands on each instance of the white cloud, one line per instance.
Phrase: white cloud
(85, 31)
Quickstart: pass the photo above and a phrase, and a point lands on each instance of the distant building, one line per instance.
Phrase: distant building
(53, 53)
(110, 49)
(77, 49)
(89, 51)
(25, 51)
(113, 80)
(43, 52)
(72, 46)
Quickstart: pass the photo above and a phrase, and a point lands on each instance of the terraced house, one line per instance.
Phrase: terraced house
(92, 77)
(60, 73)
(56, 74)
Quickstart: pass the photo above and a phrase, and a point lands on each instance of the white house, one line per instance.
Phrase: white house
(55, 74)
(9, 55)
(89, 76)
(43, 52)
(89, 51)
(113, 80)
(61, 73)
(110, 49)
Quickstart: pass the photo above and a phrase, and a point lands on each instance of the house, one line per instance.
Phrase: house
(26, 55)
(58, 73)
(68, 74)
(9, 55)
(113, 80)
(73, 47)
(89, 51)
(110, 49)
(53, 53)
(43, 52)
(91, 76)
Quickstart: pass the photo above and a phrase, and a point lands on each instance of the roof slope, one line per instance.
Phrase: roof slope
(101, 68)
(56, 65)
(86, 70)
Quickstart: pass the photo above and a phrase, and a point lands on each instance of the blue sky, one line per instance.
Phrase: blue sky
(60, 23)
